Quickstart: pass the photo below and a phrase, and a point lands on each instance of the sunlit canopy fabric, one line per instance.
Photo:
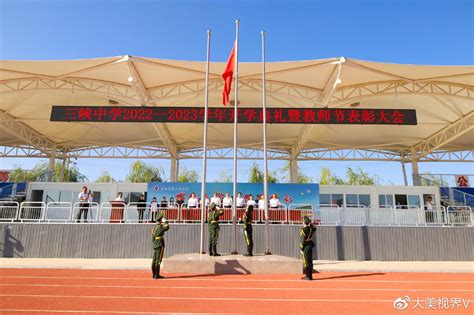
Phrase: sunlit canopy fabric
(441, 95)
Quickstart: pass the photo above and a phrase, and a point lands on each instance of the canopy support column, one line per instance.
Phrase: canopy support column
(294, 171)
(52, 161)
(174, 169)
(51, 164)
(405, 179)
(415, 173)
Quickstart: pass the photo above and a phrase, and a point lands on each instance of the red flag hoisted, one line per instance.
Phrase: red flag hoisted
(227, 76)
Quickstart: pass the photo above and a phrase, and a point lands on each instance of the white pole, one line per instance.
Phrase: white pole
(265, 163)
(236, 112)
(204, 146)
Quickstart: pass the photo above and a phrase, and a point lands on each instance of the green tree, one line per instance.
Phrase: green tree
(357, 177)
(188, 176)
(302, 178)
(105, 178)
(224, 177)
(256, 175)
(19, 175)
(327, 178)
(40, 174)
(141, 172)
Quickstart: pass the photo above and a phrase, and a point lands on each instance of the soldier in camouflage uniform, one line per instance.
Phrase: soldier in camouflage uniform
(158, 245)
(306, 248)
(248, 231)
(213, 221)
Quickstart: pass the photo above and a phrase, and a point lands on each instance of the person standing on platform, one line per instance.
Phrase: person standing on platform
(193, 202)
(261, 202)
(215, 199)
(158, 245)
(163, 203)
(141, 207)
(306, 247)
(153, 210)
(251, 201)
(213, 221)
(239, 202)
(83, 204)
(248, 231)
(274, 202)
(227, 201)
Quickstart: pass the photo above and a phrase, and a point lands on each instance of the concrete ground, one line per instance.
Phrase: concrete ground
(319, 265)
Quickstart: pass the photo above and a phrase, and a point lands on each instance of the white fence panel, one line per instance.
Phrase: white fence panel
(409, 215)
(31, 211)
(9, 210)
(460, 215)
(330, 214)
(382, 215)
(58, 211)
(356, 215)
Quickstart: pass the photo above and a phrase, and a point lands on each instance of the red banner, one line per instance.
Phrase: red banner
(226, 115)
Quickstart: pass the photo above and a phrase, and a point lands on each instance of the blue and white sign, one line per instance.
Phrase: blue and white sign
(287, 193)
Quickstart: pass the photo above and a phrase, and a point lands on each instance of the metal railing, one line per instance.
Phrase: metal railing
(459, 215)
(9, 210)
(325, 214)
(31, 211)
(296, 213)
(58, 211)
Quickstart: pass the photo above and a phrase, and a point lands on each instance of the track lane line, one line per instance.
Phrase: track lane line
(231, 288)
(239, 280)
(185, 298)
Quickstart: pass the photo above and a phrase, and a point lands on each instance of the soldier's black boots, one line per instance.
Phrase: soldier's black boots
(157, 273)
(210, 251)
(215, 250)
(153, 270)
(249, 251)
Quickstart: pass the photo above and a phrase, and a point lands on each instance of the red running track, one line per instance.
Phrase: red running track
(52, 291)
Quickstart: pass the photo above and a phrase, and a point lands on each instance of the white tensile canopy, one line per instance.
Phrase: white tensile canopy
(443, 97)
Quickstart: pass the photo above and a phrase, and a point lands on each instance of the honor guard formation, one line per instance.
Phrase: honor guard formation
(306, 239)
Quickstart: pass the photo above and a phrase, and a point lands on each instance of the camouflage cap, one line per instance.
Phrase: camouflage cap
(306, 220)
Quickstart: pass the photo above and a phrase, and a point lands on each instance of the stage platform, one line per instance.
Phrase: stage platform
(232, 264)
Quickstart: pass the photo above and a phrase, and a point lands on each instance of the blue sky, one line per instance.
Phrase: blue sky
(417, 32)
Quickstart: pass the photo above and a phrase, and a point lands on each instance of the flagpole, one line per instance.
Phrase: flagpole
(265, 162)
(236, 112)
(204, 146)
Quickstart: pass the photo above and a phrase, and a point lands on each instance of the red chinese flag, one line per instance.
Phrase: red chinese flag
(227, 76)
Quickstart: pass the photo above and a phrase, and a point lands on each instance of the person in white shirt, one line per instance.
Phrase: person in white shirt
(153, 210)
(250, 201)
(429, 204)
(84, 199)
(193, 202)
(261, 202)
(430, 212)
(274, 202)
(215, 199)
(239, 200)
(227, 201)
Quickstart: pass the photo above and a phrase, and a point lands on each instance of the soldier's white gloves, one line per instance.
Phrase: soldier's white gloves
(164, 220)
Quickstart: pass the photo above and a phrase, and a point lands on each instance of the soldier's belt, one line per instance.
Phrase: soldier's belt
(214, 221)
(158, 237)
